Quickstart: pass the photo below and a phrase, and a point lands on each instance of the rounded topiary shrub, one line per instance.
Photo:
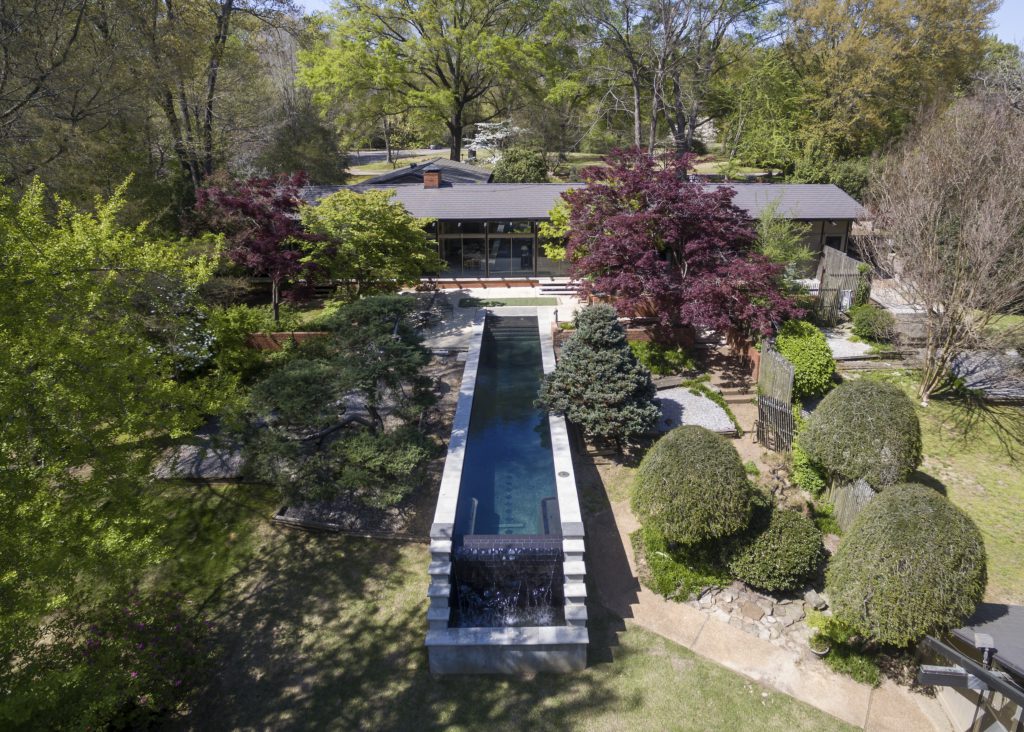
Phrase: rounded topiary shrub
(782, 556)
(805, 347)
(692, 487)
(864, 429)
(873, 323)
(911, 564)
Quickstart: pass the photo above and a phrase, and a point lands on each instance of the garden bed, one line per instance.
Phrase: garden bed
(411, 517)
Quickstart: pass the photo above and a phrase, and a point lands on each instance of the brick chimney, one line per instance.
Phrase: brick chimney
(432, 177)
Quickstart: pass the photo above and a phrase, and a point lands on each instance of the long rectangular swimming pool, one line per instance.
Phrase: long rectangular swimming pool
(508, 476)
(507, 572)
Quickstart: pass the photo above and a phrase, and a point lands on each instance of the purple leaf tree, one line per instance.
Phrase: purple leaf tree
(660, 246)
(260, 217)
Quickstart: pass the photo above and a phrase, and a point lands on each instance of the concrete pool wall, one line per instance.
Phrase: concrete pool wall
(512, 650)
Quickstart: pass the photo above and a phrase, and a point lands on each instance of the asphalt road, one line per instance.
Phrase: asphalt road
(367, 157)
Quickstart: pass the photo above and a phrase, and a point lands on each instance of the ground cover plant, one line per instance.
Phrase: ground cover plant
(598, 383)
(676, 571)
(911, 564)
(847, 653)
(662, 360)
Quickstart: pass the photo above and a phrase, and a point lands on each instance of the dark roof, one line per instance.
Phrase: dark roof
(1005, 623)
(535, 200)
(796, 200)
(452, 173)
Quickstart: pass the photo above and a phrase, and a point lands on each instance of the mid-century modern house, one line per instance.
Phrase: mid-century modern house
(489, 230)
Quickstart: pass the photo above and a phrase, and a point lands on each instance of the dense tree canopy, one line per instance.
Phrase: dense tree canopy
(846, 79)
(446, 60)
(260, 216)
(664, 247)
(322, 410)
(88, 393)
(367, 243)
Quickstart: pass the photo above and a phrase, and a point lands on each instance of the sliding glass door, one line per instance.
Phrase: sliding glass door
(494, 249)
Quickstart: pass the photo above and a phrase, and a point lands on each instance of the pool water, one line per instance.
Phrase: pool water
(508, 474)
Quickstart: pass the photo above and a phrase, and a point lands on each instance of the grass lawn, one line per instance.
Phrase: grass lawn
(325, 632)
(979, 476)
(710, 167)
(210, 533)
(982, 479)
(474, 302)
(1006, 322)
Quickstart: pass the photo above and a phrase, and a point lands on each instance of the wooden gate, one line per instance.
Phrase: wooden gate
(840, 276)
(775, 401)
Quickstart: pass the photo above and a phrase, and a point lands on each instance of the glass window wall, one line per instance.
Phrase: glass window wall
(488, 249)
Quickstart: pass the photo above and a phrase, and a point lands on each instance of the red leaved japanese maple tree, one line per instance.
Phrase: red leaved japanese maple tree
(260, 217)
(661, 246)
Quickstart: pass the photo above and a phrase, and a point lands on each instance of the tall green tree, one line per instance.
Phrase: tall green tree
(357, 83)
(846, 79)
(89, 393)
(448, 57)
(367, 243)
(784, 241)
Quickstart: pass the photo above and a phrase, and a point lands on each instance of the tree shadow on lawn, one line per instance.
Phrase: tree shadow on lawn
(326, 632)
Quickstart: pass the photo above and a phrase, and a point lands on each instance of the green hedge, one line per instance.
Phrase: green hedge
(691, 487)
(805, 347)
(782, 556)
(873, 323)
(864, 429)
(911, 564)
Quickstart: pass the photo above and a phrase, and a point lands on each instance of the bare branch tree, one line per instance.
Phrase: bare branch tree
(949, 223)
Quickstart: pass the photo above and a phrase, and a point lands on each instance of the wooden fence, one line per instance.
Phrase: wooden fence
(840, 275)
(775, 425)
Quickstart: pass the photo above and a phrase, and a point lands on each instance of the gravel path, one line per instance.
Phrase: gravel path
(679, 406)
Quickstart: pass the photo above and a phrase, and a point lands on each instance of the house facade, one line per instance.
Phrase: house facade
(489, 230)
